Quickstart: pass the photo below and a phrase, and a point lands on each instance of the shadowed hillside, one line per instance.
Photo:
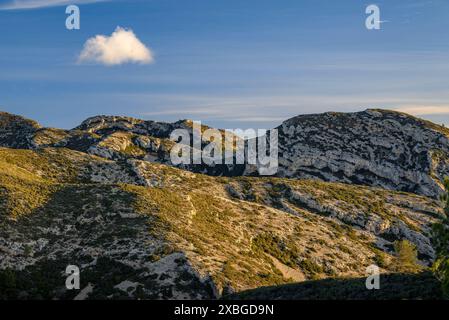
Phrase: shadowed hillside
(393, 287)
(139, 228)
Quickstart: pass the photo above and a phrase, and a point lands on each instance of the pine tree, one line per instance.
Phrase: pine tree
(441, 244)
(407, 256)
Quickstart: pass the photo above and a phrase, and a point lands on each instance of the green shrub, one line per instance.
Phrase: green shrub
(7, 283)
(379, 258)
(278, 248)
(440, 232)
(310, 267)
(407, 256)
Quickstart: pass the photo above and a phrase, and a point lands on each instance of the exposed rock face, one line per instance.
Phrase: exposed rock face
(96, 229)
(105, 197)
(137, 229)
(16, 131)
(106, 124)
(375, 147)
(124, 137)
(110, 137)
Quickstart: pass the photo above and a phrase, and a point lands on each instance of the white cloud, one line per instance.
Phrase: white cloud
(35, 4)
(122, 46)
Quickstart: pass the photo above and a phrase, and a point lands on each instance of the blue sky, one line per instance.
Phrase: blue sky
(227, 63)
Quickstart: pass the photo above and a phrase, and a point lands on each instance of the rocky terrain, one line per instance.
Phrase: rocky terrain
(105, 198)
(375, 147)
(110, 137)
(378, 148)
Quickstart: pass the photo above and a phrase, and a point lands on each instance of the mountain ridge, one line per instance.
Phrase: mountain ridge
(374, 147)
(137, 227)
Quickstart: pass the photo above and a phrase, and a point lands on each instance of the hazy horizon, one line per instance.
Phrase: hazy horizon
(227, 64)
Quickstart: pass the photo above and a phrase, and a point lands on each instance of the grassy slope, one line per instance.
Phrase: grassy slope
(233, 230)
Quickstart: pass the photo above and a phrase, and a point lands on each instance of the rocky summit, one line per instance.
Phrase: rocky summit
(380, 148)
(106, 198)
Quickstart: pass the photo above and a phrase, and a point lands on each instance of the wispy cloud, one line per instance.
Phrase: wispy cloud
(36, 4)
(122, 46)
(424, 110)
(263, 109)
(266, 110)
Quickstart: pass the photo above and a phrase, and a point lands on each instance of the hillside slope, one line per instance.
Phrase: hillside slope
(140, 229)
(394, 286)
(104, 197)
(380, 148)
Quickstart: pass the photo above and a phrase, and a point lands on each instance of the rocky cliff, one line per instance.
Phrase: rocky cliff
(104, 197)
(375, 147)
(378, 148)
